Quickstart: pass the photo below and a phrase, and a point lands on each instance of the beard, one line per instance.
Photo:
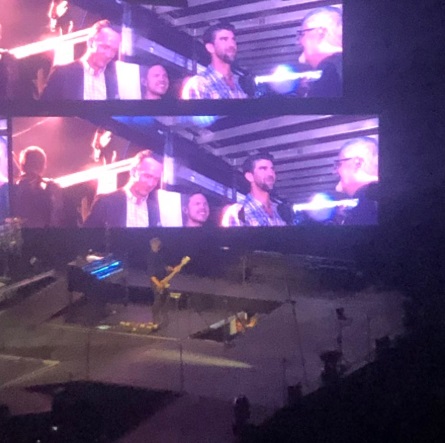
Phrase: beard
(226, 58)
(266, 187)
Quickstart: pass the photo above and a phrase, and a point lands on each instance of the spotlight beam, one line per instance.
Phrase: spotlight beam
(49, 44)
(314, 206)
(93, 174)
(288, 76)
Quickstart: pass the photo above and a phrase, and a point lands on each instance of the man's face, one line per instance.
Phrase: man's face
(263, 176)
(224, 46)
(103, 48)
(157, 81)
(155, 244)
(346, 167)
(146, 177)
(198, 209)
(310, 39)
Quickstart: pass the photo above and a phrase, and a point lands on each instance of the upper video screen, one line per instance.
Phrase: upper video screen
(195, 171)
(113, 50)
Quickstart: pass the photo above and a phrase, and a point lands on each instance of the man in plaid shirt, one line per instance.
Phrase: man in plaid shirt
(257, 209)
(217, 81)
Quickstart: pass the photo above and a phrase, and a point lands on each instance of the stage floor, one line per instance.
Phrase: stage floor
(281, 347)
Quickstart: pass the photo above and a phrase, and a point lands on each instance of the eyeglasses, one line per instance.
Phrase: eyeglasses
(301, 32)
(337, 163)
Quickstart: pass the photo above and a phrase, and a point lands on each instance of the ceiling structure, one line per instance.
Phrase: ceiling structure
(304, 146)
(266, 29)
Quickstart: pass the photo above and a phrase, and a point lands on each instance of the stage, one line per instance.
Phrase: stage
(225, 337)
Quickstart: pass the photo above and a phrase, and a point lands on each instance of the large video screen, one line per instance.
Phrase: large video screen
(199, 49)
(195, 171)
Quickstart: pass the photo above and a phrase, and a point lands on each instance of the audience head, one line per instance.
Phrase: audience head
(145, 174)
(321, 35)
(155, 244)
(32, 161)
(357, 164)
(220, 43)
(259, 171)
(196, 210)
(156, 82)
(103, 45)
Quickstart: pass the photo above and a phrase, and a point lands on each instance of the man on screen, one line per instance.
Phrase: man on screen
(257, 209)
(217, 81)
(133, 205)
(37, 200)
(93, 76)
(196, 210)
(156, 83)
(320, 38)
(357, 168)
(59, 15)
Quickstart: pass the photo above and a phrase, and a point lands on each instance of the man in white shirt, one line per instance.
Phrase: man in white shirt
(93, 76)
(132, 206)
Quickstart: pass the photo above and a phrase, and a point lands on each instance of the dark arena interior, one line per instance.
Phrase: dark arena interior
(221, 236)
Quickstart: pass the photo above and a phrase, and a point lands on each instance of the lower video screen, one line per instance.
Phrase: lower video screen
(194, 171)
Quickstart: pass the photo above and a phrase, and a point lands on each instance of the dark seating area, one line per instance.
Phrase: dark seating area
(399, 397)
(84, 412)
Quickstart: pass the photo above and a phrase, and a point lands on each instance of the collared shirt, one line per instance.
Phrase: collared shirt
(94, 85)
(253, 213)
(137, 211)
(211, 84)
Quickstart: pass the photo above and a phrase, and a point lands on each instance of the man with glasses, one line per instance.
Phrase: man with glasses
(320, 39)
(357, 168)
(93, 76)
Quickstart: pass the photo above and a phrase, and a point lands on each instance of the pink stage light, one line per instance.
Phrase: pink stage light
(93, 174)
(49, 44)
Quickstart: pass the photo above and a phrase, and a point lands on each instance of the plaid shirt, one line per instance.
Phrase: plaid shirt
(211, 84)
(253, 213)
